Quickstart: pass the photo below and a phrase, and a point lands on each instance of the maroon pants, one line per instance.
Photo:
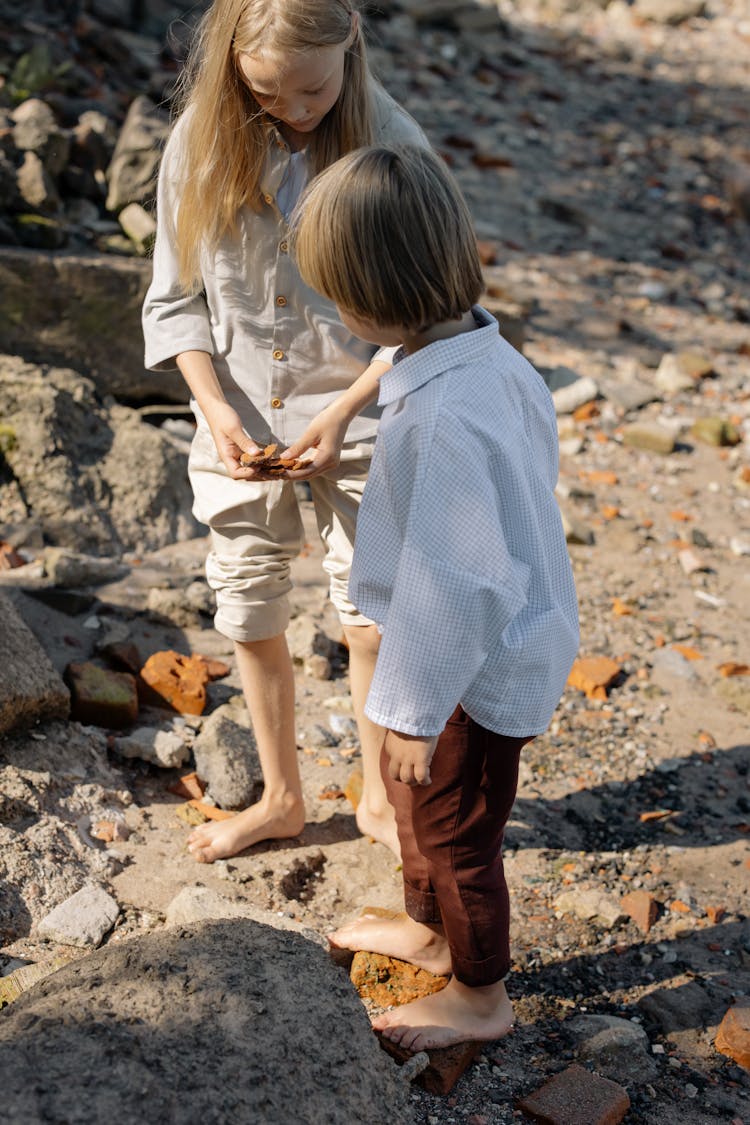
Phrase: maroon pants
(451, 835)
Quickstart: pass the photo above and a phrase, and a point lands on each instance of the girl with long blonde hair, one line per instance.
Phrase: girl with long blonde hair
(273, 92)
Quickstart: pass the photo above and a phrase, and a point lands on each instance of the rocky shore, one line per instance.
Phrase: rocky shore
(603, 149)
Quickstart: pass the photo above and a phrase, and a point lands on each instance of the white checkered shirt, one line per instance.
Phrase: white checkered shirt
(460, 555)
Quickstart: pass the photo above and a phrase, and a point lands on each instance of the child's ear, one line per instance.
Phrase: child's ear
(354, 31)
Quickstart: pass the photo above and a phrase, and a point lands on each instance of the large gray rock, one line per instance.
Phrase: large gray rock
(132, 174)
(94, 478)
(82, 311)
(83, 919)
(226, 758)
(216, 1022)
(30, 688)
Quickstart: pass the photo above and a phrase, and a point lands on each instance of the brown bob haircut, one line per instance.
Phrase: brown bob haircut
(386, 234)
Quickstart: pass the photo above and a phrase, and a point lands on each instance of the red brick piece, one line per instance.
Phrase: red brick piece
(101, 697)
(733, 1036)
(387, 981)
(576, 1097)
(642, 908)
(447, 1064)
(169, 679)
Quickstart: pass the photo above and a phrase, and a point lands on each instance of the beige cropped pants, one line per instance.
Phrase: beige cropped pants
(256, 531)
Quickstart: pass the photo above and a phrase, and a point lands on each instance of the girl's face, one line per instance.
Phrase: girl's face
(299, 90)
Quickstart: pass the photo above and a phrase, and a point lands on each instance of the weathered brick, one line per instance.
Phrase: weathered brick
(577, 1097)
(446, 1065)
(733, 1036)
(387, 981)
(642, 907)
(593, 675)
(100, 696)
(169, 679)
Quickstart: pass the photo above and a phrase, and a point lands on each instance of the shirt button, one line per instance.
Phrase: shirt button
(276, 403)
(268, 198)
(278, 354)
(281, 301)
(284, 247)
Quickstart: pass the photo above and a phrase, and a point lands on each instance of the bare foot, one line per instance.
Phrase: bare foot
(400, 937)
(456, 1014)
(268, 820)
(380, 824)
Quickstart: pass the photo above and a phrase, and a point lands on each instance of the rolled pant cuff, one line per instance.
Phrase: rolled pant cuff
(477, 974)
(422, 906)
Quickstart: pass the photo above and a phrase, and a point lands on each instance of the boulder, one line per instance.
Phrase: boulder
(286, 1035)
(96, 478)
(30, 687)
(82, 311)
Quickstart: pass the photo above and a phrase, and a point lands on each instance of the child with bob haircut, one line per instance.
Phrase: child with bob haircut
(461, 559)
(273, 92)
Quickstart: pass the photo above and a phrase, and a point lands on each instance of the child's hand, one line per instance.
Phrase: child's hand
(409, 757)
(230, 438)
(325, 435)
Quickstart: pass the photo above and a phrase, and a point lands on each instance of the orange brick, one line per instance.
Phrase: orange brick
(179, 682)
(387, 981)
(593, 675)
(733, 1036)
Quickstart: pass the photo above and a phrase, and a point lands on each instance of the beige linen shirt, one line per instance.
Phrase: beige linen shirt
(280, 352)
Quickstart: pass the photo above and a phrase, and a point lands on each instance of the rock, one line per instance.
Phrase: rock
(101, 697)
(570, 397)
(683, 1007)
(226, 758)
(164, 748)
(575, 1095)
(186, 608)
(83, 311)
(715, 431)
(35, 185)
(669, 11)
(30, 687)
(83, 919)
(681, 371)
(35, 130)
(70, 568)
(577, 533)
(733, 1036)
(590, 904)
(139, 226)
(252, 998)
(169, 679)
(132, 174)
(618, 1048)
(651, 436)
(642, 907)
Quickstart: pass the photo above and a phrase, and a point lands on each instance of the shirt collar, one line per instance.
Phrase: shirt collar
(412, 371)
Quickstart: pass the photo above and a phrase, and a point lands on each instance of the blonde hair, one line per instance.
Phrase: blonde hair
(386, 234)
(227, 131)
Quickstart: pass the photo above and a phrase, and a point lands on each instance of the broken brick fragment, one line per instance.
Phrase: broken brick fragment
(353, 787)
(593, 675)
(733, 1036)
(169, 679)
(216, 669)
(101, 697)
(577, 1097)
(446, 1065)
(642, 907)
(188, 786)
